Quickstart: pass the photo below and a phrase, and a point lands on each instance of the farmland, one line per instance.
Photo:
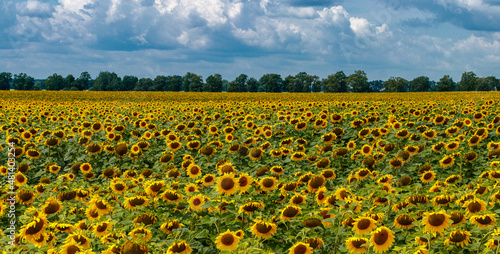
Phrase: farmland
(179, 172)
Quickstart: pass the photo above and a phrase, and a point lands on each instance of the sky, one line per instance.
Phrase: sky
(146, 38)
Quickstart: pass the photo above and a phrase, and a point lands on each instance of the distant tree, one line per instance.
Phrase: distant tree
(107, 81)
(213, 83)
(39, 84)
(129, 83)
(54, 82)
(69, 82)
(5, 79)
(160, 83)
(432, 84)
(289, 83)
(174, 83)
(396, 85)
(420, 84)
(376, 86)
(225, 85)
(468, 82)
(144, 84)
(446, 83)
(316, 86)
(487, 84)
(358, 82)
(192, 82)
(335, 83)
(84, 81)
(271, 83)
(252, 85)
(23, 82)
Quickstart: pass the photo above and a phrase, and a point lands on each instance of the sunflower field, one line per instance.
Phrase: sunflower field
(147, 172)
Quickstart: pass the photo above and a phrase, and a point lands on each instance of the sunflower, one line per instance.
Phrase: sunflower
(301, 248)
(121, 149)
(404, 221)
(493, 243)
(195, 202)
(225, 166)
(436, 221)
(268, 183)
(475, 205)
(166, 157)
(167, 227)
(290, 212)
(100, 229)
(52, 142)
(298, 156)
(315, 183)
(34, 229)
(250, 207)
(277, 169)
(207, 151)
(245, 182)
(263, 229)
(191, 188)
(297, 199)
(447, 161)
(141, 234)
(20, 179)
(227, 184)
(118, 187)
(179, 247)
(85, 168)
(256, 153)
(171, 196)
(428, 176)
(51, 206)
(193, 171)
(458, 237)
(93, 148)
(364, 225)
(227, 241)
(381, 239)
(71, 247)
(356, 244)
(133, 202)
(483, 221)
(31, 153)
(135, 248)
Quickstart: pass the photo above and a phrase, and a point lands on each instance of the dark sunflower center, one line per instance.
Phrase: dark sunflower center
(301, 249)
(357, 243)
(99, 204)
(227, 239)
(328, 173)
(474, 207)
(256, 153)
(178, 248)
(458, 237)
(52, 208)
(381, 237)
(243, 181)
(119, 187)
(209, 179)
(317, 182)
(195, 170)
(263, 228)
(437, 220)
(32, 230)
(297, 200)
(427, 176)
(364, 224)
(484, 220)
(227, 184)
(268, 183)
(405, 220)
(25, 195)
(102, 227)
(72, 249)
(227, 169)
(171, 196)
(290, 212)
(137, 201)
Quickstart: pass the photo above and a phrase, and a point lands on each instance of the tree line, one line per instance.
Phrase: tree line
(302, 82)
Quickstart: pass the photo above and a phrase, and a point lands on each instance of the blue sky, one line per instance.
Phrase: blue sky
(146, 38)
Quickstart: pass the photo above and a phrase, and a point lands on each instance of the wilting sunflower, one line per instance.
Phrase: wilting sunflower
(133, 202)
(263, 229)
(301, 248)
(227, 241)
(297, 199)
(364, 225)
(255, 153)
(34, 229)
(315, 183)
(483, 221)
(25, 197)
(436, 221)
(121, 149)
(167, 227)
(207, 151)
(51, 206)
(381, 239)
(227, 184)
(195, 202)
(250, 207)
(290, 212)
(356, 244)
(93, 148)
(458, 237)
(179, 247)
(404, 221)
(396, 163)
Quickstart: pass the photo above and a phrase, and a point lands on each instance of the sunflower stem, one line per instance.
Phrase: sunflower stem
(482, 240)
(498, 245)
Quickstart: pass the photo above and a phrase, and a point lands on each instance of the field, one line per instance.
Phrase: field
(150, 172)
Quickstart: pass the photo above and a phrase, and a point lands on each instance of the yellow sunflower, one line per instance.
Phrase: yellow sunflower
(227, 241)
(227, 184)
(263, 229)
(436, 221)
(381, 239)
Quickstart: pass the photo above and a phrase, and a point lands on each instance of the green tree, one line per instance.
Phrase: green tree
(396, 85)
(420, 84)
(335, 83)
(271, 83)
(316, 86)
(192, 82)
(487, 84)
(174, 83)
(23, 82)
(54, 82)
(446, 83)
(160, 83)
(213, 83)
(5, 79)
(376, 86)
(107, 81)
(144, 84)
(129, 82)
(289, 83)
(358, 82)
(84, 81)
(252, 85)
(468, 82)
(69, 82)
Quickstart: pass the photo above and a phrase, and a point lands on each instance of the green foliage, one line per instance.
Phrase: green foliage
(446, 83)
(5, 79)
(468, 82)
(54, 82)
(23, 82)
(358, 82)
(107, 81)
(192, 82)
(335, 83)
(420, 84)
(213, 83)
(396, 85)
(271, 83)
